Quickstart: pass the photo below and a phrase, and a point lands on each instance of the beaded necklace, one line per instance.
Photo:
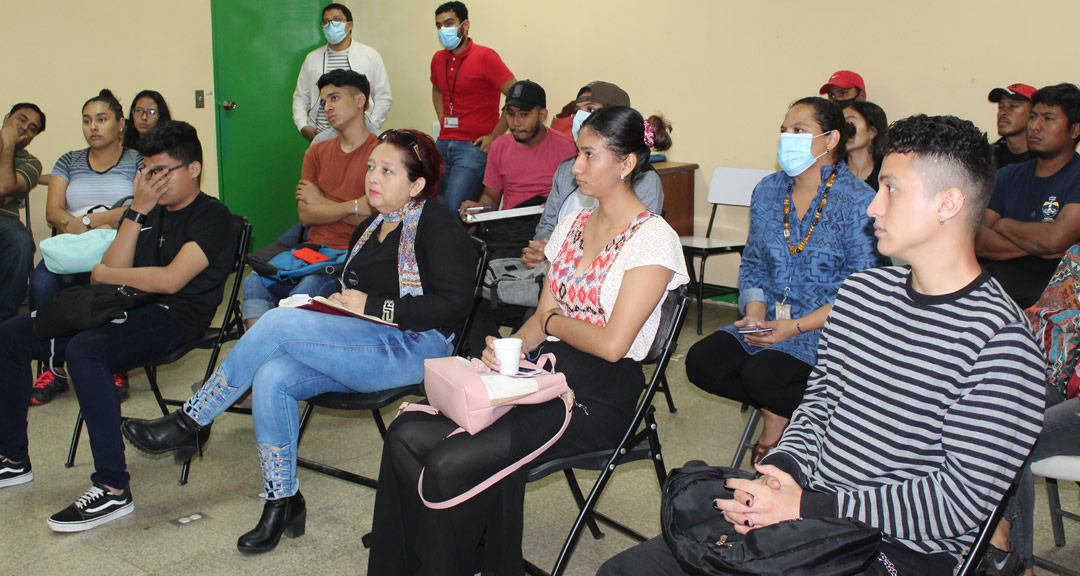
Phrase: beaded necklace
(817, 215)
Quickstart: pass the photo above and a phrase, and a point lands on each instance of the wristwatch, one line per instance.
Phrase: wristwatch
(86, 220)
(136, 217)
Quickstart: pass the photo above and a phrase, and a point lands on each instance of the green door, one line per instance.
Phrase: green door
(258, 49)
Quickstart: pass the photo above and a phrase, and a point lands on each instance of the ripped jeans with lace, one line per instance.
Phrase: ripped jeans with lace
(290, 355)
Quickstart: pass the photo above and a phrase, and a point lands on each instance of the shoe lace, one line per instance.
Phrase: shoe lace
(47, 377)
(92, 494)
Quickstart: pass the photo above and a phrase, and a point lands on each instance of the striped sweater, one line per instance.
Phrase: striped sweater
(920, 411)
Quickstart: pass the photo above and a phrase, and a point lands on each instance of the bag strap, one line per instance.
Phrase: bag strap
(568, 400)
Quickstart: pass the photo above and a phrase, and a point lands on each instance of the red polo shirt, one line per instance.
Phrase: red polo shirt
(471, 80)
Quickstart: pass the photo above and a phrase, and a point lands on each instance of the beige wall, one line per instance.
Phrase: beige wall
(724, 71)
(64, 51)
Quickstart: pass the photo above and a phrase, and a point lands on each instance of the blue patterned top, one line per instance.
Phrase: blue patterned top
(843, 242)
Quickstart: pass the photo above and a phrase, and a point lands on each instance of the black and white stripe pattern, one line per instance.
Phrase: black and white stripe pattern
(921, 409)
(334, 61)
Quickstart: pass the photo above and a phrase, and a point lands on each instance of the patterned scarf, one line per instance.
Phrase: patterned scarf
(408, 271)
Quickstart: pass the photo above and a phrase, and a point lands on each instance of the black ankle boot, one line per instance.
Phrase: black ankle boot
(177, 431)
(286, 515)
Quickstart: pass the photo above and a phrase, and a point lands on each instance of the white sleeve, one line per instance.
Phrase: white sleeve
(381, 99)
(301, 99)
(657, 244)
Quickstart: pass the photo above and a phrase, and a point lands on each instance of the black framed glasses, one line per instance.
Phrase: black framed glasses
(402, 138)
(145, 112)
(156, 171)
(337, 19)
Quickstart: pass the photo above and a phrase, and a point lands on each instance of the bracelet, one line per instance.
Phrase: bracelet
(356, 206)
(547, 321)
(799, 328)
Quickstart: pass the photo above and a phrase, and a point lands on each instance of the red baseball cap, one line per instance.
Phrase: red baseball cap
(843, 79)
(1014, 91)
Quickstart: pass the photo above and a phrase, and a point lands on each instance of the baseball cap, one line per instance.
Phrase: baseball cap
(605, 93)
(526, 95)
(1014, 91)
(843, 79)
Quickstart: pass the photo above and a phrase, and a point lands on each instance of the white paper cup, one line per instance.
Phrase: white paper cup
(508, 351)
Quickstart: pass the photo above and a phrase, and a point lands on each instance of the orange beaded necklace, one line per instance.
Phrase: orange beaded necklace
(793, 250)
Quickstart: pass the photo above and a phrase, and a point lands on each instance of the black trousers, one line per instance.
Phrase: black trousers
(768, 379)
(484, 533)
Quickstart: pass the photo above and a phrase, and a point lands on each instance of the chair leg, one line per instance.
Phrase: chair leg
(575, 490)
(1054, 499)
(379, 423)
(667, 394)
(74, 441)
(654, 445)
(701, 293)
(744, 442)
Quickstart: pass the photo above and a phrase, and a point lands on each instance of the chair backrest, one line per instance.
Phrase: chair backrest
(232, 325)
(466, 324)
(734, 186)
(667, 333)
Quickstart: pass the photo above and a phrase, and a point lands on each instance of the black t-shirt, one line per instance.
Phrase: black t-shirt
(1023, 196)
(446, 261)
(208, 223)
(1004, 156)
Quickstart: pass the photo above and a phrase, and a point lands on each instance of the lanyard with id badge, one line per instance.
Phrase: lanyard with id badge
(451, 121)
(783, 309)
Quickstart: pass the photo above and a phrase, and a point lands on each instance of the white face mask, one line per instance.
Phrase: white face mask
(334, 32)
(579, 119)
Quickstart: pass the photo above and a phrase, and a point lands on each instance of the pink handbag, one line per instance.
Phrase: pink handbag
(456, 388)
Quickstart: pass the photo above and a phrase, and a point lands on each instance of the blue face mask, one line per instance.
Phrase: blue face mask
(334, 32)
(579, 119)
(449, 38)
(794, 153)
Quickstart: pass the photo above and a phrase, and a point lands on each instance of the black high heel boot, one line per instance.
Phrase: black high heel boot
(286, 515)
(177, 431)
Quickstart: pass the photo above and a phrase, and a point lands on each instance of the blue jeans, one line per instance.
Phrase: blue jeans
(1061, 426)
(44, 283)
(464, 175)
(93, 356)
(17, 246)
(260, 298)
(291, 355)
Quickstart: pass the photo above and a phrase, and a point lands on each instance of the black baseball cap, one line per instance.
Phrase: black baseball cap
(526, 95)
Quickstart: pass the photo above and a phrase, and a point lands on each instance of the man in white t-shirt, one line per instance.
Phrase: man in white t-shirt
(340, 52)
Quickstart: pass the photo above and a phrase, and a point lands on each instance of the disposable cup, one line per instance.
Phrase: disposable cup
(508, 351)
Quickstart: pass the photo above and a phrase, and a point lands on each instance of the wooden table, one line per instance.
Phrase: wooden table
(677, 179)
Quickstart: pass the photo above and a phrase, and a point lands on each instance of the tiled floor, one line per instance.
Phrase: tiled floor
(223, 484)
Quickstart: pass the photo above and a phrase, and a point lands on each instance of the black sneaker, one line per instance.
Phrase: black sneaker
(14, 473)
(47, 386)
(998, 562)
(92, 509)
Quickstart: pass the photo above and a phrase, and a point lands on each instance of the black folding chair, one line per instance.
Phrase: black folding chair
(232, 328)
(639, 442)
(376, 401)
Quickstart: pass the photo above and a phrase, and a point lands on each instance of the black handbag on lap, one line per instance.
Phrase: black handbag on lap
(706, 544)
(79, 308)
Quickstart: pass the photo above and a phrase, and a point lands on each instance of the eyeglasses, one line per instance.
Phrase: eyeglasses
(145, 112)
(157, 171)
(402, 138)
(337, 19)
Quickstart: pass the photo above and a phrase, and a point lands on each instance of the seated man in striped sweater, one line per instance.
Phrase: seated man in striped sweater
(927, 395)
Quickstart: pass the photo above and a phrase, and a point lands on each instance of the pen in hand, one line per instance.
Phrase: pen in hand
(475, 209)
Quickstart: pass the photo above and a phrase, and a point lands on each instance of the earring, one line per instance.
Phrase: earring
(941, 221)
(622, 176)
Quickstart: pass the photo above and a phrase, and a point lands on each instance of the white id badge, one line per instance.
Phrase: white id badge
(783, 311)
(450, 122)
